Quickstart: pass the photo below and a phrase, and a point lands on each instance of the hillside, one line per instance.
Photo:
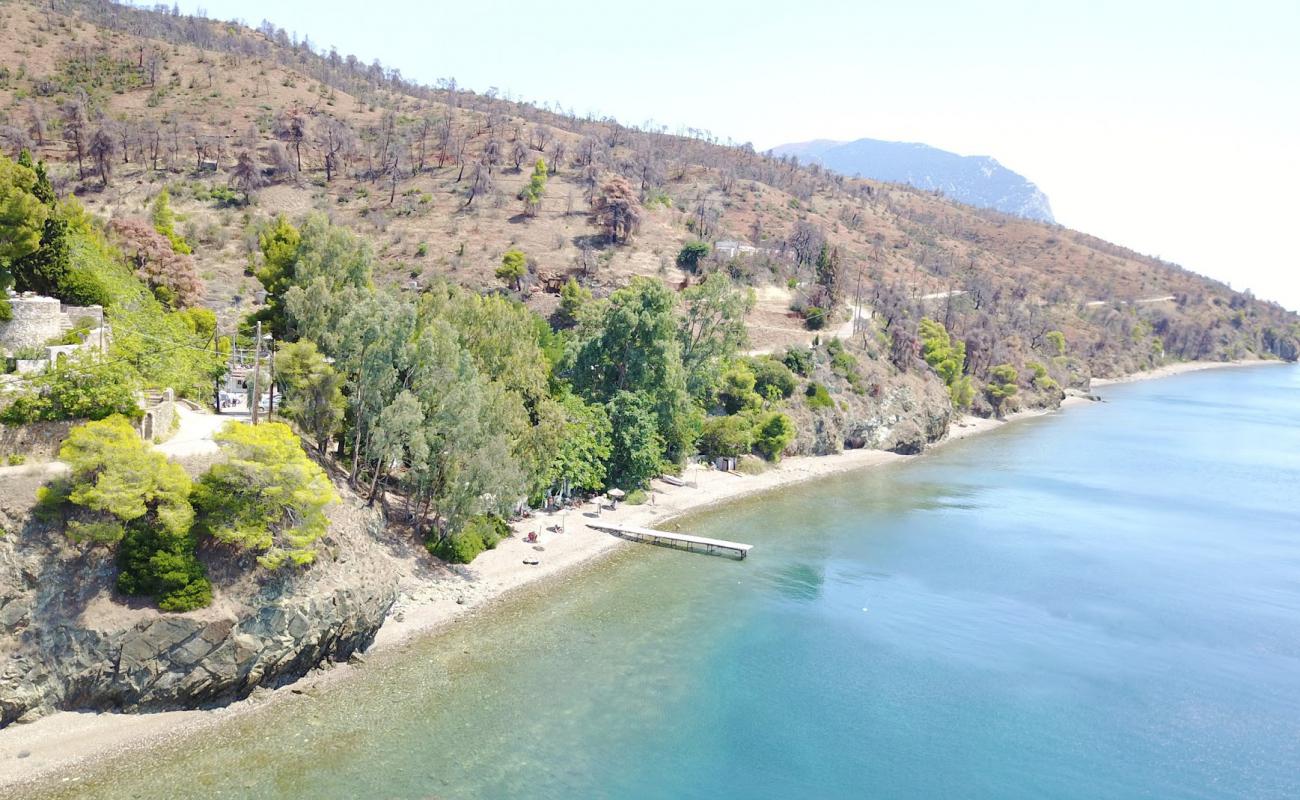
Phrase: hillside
(975, 180)
(429, 176)
(477, 310)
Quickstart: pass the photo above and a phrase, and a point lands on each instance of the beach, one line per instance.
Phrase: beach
(63, 747)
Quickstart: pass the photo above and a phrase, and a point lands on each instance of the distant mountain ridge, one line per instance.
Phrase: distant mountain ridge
(974, 180)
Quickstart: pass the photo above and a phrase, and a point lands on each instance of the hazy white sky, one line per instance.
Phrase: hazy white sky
(1169, 127)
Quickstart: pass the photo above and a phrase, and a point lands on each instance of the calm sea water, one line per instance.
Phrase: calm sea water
(1104, 603)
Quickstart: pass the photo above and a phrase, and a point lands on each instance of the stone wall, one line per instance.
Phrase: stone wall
(35, 321)
(36, 440)
(158, 418)
(74, 314)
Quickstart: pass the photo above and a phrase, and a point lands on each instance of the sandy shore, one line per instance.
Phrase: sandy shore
(1179, 368)
(61, 748)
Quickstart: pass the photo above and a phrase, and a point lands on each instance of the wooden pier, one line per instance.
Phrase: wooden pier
(678, 541)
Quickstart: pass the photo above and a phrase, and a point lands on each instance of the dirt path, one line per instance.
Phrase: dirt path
(195, 435)
(1161, 299)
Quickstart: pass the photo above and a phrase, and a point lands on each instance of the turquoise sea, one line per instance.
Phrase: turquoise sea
(1102, 603)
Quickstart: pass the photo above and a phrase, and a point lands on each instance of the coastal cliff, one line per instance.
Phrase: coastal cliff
(901, 416)
(69, 642)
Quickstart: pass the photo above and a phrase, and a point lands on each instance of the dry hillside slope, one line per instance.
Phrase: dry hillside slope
(431, 175)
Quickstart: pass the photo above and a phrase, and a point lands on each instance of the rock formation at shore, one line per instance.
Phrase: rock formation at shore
(901, 416)
(69, 642)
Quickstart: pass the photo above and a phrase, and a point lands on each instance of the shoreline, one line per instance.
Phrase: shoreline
(60, 749)
(1181, 368)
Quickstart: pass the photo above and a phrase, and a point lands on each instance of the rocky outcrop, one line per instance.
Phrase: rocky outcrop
(901, 414)
(68, 642)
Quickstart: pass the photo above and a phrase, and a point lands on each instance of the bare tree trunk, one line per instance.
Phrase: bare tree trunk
(374, 484)
(356, 442)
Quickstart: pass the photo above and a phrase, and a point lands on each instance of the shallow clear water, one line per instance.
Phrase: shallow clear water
(1103, 603)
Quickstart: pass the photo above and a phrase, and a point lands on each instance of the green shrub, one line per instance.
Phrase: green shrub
(75, 335)
(773, 434)
(225, 197)
(480, 533)
(636, 497)
(16, 459)
(737, 390)
(689, 257)
(30, 352)
(818, 397)
(573, 298)
(948, 358)
(164, 221)
(163, 564)
(845, 364)
(799, 360)
(513, 268)
(1002, 385)
(82, 287)
(1057, 340)
(814, 317)
(1041, 379)
(51, 500)
(725, 436)
(770, 374)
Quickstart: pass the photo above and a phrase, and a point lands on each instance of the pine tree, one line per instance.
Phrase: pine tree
(532, 193)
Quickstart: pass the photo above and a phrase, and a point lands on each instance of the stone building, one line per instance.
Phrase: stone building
(37, 320)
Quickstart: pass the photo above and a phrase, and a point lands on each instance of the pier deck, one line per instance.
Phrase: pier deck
(679, 541)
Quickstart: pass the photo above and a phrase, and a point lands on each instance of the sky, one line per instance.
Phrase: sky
(1168, 127)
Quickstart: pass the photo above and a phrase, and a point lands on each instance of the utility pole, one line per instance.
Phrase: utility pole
(270, 348)
(216, 379)
(256, 398)
(230, 367)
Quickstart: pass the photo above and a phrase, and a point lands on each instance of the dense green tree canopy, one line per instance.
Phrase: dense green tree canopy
(630, 344)
(267, 497)
(22, 213)
(579, 461)
(712, 330)
(121, 491)
(637, 454)
(115, 473)
(312, 391)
